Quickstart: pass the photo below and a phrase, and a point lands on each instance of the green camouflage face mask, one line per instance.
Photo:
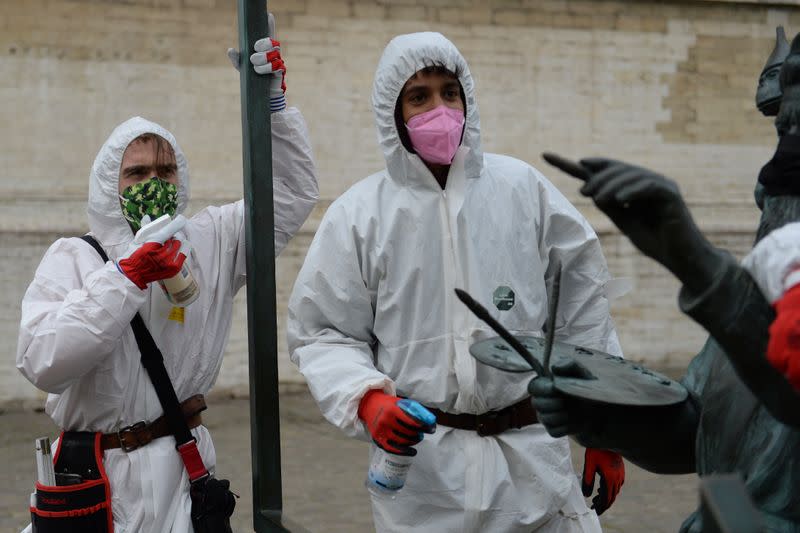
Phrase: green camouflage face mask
(154, 197)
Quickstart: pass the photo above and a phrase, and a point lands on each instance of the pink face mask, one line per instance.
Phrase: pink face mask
(436, 134)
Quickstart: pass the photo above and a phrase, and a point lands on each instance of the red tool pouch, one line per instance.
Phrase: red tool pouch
(81, 499)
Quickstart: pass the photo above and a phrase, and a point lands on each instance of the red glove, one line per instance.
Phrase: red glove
(612, 475)
(783, 350)
(153, 261)
(391, 428)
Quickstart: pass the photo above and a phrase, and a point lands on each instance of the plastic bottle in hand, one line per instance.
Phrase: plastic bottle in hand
(387, 471)
(181, 289)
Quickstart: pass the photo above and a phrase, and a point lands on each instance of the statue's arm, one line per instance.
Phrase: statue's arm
(658, 439)
(730, 306)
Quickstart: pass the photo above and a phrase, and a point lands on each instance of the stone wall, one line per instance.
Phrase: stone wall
(666, 84)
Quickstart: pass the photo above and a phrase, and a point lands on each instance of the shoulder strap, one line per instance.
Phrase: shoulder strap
(96, 245)
(153, 362)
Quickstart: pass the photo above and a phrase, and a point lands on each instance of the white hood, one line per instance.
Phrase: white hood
(105, 213)
(373, 307)
(403, 57)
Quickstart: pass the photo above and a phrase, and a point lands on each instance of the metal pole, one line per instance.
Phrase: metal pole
(261, 319)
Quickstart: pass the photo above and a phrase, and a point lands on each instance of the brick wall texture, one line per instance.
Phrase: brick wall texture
(666, 84)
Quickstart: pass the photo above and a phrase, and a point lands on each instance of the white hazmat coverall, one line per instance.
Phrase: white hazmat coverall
(75, 339)
(374, 308)
(774, 262)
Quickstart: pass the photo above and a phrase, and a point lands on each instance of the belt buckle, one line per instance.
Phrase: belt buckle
(481, 426)
(133, 428)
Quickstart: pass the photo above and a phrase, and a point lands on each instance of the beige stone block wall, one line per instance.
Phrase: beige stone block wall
(665, 84)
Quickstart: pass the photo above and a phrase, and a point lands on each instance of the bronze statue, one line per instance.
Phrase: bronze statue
(741, 416)
(768, 94)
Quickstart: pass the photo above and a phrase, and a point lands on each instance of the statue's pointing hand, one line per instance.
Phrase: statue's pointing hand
(645, 206)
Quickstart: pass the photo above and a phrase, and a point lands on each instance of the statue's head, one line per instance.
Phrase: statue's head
(778, 193)
(768, 94)
(788, 119)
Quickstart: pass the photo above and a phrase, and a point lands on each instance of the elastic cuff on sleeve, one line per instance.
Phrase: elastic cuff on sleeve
(277, 103)
(117, 295)
(387, 386)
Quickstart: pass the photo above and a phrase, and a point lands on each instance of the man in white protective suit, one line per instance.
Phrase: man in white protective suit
(373, 316)
(76, 341)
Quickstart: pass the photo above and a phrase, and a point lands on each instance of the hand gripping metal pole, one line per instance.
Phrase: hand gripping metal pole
(261, 317)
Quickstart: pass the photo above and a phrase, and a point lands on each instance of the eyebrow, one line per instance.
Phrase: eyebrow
(449, 84)
(416, 89)
(135, 169)
(141, 169)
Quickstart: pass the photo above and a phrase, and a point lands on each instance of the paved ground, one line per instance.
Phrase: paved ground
(323, 472)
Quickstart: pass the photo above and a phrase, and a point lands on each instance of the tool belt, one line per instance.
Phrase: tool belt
(80, 502)
(514, 416)
(141, 433)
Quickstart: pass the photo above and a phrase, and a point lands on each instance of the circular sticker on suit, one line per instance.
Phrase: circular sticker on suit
(503, 298)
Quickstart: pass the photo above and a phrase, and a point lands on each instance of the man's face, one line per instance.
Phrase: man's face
(427, 90)
(145, 158)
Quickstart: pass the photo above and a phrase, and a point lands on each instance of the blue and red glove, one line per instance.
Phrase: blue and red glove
(783, 349)
(391, 427)
(612, 475)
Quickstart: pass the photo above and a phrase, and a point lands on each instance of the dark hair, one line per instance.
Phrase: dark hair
(434, 67)
(162, 145)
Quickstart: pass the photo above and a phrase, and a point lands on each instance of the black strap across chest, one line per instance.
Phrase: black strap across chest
(153, 362)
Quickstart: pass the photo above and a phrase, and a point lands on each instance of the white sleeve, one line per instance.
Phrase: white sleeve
(330, 323)
(294, 191)
(774, 263)
(73, 315)
(583, 316)
(294, 177)
(216, 235)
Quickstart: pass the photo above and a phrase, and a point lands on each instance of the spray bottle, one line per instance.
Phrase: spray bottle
(387, 471)
(181, 289)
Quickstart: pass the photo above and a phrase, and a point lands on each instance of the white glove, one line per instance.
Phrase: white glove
(267, 60)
